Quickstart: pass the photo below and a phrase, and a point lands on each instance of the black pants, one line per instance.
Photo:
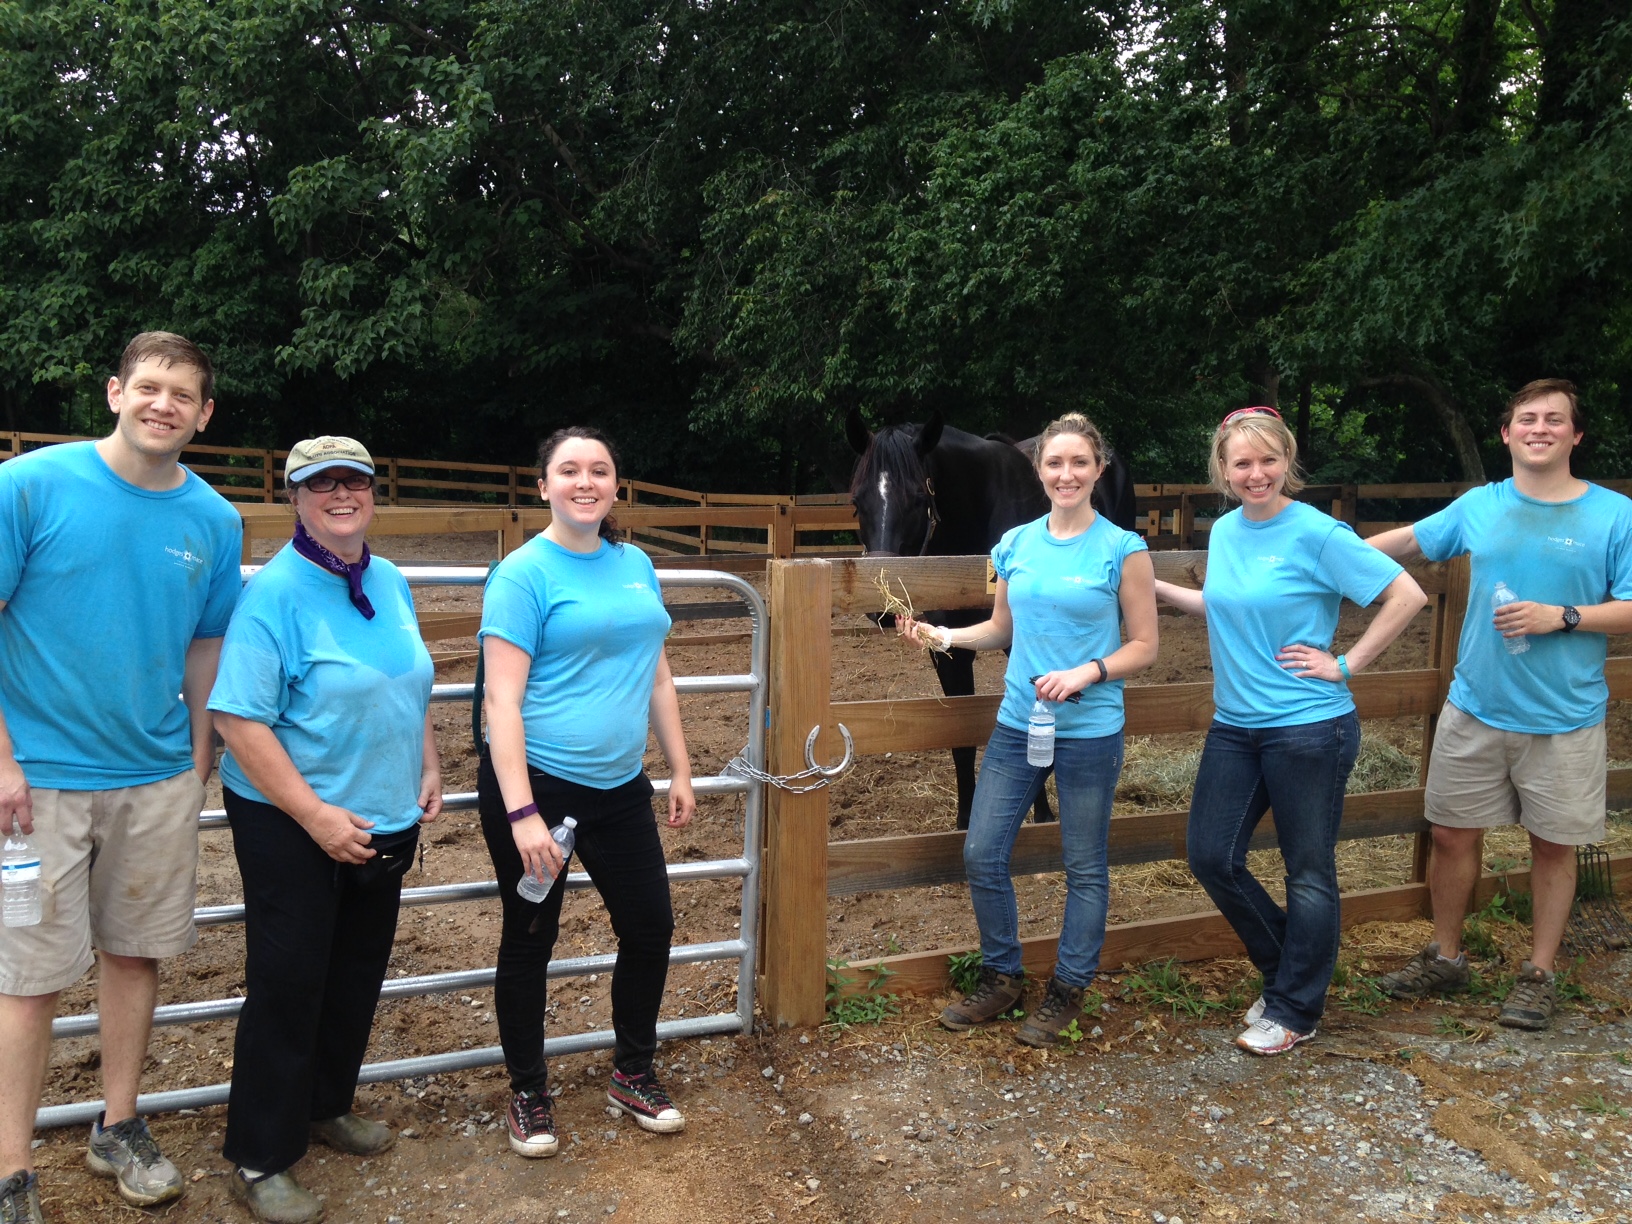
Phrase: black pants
(317, 937)
(619, 847)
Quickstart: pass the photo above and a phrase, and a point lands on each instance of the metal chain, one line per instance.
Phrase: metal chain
(740, 767)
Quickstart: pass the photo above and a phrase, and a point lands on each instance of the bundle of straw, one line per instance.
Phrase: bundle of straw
(899, 606)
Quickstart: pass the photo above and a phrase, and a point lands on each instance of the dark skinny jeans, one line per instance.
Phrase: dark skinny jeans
(317, 939)
(618, 845)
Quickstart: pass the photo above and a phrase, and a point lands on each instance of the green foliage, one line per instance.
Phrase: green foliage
(964, 970)
(1355, 992)
(1597, 1104)
(1165, 984)
(869, 1005)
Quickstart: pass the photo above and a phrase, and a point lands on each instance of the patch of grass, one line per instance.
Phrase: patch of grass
(870, 1005)
(964, 970)
(1570, 989)
(1458, 1030)
(1165, 984)
(1596, 1103)
(1496, 987)
(1362, 997)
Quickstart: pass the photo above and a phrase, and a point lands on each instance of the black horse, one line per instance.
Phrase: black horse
(933, 491)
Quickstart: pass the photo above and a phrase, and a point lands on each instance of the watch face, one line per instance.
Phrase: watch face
(1572, 618)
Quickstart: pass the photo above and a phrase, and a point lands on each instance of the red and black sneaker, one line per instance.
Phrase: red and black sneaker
(531, 1123)
(643, 1099)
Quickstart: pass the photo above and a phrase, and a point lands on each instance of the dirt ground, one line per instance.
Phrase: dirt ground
(1394, 1112)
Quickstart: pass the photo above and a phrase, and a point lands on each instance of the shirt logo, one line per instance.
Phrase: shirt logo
(1566, 542)
(185, 557)
(1074, 579)
(1271, 559)
(636, 586)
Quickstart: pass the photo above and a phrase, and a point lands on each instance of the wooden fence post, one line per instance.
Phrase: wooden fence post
(1450, 612)
(513, 535)
(793, 948)
(780, 532)
(267, 467)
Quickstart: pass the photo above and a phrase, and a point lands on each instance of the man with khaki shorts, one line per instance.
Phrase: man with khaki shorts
(118, 574)
(1521, 737)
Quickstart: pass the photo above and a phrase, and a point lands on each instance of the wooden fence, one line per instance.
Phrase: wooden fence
(802, 869)
(672, 521)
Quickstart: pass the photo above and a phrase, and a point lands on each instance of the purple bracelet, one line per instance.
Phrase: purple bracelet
(522, 813)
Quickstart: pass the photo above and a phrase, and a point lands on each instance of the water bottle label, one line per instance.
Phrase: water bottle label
(19, 873)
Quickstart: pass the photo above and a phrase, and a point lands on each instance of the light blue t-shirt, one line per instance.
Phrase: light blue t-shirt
(345, 695)
(106, 585)
(1274, 584)
(1064, 598)
(1574, 553)
(594, 625)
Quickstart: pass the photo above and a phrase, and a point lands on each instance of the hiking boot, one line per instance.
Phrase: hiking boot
(1264, 1036)
(276, 1198)
(530, 1121)
(126, 1152)
(643, 1099)
(350, 1133)
(1426, 973)
(20, 1199)
(1052, 1019)
(1531, 1002)
(995, 994)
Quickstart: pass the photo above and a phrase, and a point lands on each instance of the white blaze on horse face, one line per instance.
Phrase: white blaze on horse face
(883, 505)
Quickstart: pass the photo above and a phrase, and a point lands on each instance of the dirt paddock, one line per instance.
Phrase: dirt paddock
(1394, 1112)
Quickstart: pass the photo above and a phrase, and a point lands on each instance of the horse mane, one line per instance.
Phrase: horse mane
(894, 447)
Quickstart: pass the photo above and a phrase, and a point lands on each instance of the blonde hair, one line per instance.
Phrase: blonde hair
(1269, 434)
(1071, 423)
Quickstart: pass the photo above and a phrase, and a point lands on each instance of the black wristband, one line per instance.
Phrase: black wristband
(1104, 674)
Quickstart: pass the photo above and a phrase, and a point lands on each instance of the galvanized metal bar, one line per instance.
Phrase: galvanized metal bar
(81, 1112)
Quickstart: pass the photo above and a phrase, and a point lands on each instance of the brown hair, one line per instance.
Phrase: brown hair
(1541, 388)
(172, 350)
(1264, 430)
(1071, 423)
(551, 444)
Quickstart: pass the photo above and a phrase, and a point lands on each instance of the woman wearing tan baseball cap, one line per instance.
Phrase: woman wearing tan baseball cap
(322, 697)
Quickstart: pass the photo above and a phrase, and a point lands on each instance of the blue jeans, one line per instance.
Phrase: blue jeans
(1085, 773)
(1300, 772)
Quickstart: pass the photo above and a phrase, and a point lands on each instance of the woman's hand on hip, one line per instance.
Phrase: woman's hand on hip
(343, 835)
(540, 854)
(682, 803)
(1307, 662)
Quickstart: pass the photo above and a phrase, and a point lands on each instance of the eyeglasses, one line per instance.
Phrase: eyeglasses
(1241, 412)
(355, 481)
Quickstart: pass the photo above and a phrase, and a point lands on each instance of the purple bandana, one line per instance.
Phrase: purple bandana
(353, 574)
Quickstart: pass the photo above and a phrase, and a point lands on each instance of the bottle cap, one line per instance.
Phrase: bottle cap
(570, 821)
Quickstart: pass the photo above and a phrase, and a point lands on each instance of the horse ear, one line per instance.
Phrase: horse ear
(929, 437)
(856, 431)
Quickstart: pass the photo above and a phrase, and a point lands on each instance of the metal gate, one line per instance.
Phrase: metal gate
(746, 868)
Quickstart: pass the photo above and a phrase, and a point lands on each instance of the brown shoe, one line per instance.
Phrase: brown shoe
(1531, 1002)
(1050, 1022)
(995, 994)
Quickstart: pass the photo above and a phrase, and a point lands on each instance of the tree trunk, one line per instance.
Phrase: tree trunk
(1449, 412)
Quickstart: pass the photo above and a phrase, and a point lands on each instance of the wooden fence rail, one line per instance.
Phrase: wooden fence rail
(796, 981)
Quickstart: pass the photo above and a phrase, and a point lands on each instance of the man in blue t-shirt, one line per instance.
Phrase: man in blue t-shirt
(1521, 738)
(118, 574)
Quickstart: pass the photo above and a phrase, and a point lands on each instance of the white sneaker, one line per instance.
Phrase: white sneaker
(1266, 1037)
(1255, 1013)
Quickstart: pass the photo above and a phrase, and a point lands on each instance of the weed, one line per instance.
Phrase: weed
(1596, 1103)
(892, 945)
(1495, 988)
(1458, 1030)
(1092, 1001)
(1362, 997)
(1624, 1059)
(1164, 983)
(1569, 989)
(1073, 1032)
(870, 1005)
(964, 970)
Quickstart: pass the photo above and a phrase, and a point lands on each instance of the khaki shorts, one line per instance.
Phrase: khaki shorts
(118, 871)
(1553, 785)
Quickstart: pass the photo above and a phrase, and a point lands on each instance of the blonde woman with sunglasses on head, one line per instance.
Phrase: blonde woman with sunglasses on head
(1284, 732)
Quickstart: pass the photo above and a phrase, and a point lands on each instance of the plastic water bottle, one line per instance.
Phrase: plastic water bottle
(531, 888)
(20, 880)
(1504, 595)
(1040, 735)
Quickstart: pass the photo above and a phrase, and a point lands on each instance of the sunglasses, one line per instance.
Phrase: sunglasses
(356, 482)
(1241, 412)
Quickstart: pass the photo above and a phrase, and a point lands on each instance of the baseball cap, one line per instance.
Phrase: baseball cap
(315, 454)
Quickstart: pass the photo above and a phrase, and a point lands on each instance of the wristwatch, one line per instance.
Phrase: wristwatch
(1572, 619)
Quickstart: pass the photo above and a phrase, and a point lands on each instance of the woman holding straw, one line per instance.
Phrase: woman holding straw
(1068, 584)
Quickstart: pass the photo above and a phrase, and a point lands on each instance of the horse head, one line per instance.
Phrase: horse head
(892, 488)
